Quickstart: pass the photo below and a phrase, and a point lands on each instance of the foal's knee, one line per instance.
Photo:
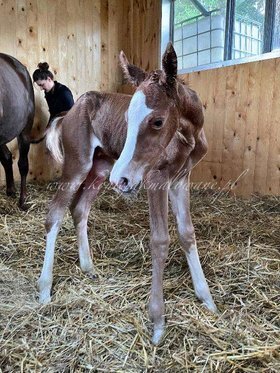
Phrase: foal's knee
(160, 246)
(187, 237)
(53, 217)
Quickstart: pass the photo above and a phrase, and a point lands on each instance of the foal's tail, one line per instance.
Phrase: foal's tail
(53, 139)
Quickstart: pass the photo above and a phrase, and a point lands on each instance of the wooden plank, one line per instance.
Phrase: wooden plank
(60, 22)
(21, 31)
(115, 36)
(240, 127)
(273, 162)
(264, 125)
(71, 10)
(252, 114)
(205, 174)
(209, 80)
(104, 54)
(219, 102)
(227, 175)
(92, 45)
(80, 76)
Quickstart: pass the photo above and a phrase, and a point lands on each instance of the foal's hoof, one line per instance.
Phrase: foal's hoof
(92, 276)
(44, 298)
(158, 335)
(44, 291)
(211, 306)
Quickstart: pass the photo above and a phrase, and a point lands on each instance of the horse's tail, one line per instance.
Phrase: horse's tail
(53, 139)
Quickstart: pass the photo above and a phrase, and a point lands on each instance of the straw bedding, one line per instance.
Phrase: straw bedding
(103, 325)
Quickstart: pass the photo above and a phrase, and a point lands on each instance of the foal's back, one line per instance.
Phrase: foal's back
(99, 116)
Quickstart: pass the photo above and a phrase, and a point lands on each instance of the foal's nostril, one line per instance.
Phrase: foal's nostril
(123, 181)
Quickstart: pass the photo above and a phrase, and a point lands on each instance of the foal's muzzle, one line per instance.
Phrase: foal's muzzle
(124, 186)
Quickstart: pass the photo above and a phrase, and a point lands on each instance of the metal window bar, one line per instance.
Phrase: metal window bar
(210, 36)
(268, 25)
(229, 37)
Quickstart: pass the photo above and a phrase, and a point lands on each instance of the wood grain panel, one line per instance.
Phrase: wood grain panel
(242, 118)
(81, 41)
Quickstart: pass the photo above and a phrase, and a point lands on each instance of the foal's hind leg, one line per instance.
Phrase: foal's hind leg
(74, 174)
(80, 208)
(180, 201)
(23, 166)
(6, 159)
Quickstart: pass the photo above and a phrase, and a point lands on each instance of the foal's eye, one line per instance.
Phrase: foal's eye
(157, 123)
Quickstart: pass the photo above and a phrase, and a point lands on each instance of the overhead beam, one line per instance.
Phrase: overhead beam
(200, 7)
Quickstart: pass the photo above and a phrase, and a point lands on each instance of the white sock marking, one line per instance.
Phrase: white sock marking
(200, 285)
(45, 280)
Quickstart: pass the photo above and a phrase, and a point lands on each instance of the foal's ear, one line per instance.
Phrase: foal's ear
(169, 64)
(132, 73)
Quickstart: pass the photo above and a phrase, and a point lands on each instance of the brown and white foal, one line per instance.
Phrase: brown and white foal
(157, 138)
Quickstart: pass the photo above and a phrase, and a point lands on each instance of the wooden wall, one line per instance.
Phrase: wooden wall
(242, 123)
(81, 40)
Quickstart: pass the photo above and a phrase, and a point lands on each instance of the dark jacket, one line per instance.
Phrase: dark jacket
(59, 99)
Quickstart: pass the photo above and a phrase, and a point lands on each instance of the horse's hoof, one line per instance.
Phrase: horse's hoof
(11, 193)
(23, 206)
(92, 276)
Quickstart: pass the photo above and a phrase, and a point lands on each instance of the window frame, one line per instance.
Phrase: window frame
(267, 52)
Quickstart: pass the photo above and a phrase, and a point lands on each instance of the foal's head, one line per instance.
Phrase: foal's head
(152, 119)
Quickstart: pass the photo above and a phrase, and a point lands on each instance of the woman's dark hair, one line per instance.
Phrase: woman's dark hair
(43, 72)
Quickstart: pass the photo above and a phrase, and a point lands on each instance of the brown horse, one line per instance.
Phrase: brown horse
(16, 119)
(157, 137)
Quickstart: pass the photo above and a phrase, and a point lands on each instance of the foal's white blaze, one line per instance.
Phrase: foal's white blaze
(136, 113)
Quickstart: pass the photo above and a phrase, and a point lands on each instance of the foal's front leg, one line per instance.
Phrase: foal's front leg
(180, 201)
(158, 204)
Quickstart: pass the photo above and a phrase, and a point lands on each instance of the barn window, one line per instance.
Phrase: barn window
(206, 32)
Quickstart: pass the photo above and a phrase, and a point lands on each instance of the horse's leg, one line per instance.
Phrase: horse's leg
(74, 173)
(6, 159)
(23, 165)
(158, 206)
(80, 208)
(180, 200)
